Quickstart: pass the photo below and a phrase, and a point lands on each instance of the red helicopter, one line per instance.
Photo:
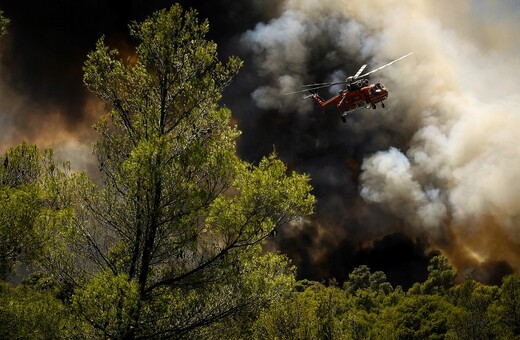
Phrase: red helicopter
(357, 93)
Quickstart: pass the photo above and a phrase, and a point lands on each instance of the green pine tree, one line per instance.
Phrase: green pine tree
(170, 245)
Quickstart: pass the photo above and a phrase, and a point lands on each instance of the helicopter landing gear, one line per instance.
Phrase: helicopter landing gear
(344, 117)
(374, 106)
(382, 105)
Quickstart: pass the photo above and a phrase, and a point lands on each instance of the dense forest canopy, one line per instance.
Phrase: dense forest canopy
(170, 243)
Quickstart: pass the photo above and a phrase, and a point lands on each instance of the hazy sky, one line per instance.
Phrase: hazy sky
(437, 170)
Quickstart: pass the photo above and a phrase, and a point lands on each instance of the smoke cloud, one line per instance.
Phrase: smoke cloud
(444, 158)
(42, 97)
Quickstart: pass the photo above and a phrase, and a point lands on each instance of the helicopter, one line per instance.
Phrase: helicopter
(357, 93)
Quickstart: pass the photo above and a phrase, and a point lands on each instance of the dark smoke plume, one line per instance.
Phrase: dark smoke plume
(42, 97)
(442, 164)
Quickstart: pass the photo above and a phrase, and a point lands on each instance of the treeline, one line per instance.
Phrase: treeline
(366, 306)
(169, 244)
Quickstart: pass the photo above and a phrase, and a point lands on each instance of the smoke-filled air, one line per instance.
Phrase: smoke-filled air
(437, 170)
(441, 164)
(285, 169)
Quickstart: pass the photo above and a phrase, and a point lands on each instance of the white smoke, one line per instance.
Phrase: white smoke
(304, 38)
(388, 179)
(460, 90)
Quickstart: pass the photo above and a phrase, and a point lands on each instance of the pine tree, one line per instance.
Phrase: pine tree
(171, 243)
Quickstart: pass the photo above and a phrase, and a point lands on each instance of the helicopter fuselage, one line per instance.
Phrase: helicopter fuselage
(355, 96)
(357, 92)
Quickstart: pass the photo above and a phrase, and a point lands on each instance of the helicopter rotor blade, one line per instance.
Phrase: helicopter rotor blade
(359, 71)
(295, 92)
(336, 83)
(381, 67)
(316, 87)
(316, 84)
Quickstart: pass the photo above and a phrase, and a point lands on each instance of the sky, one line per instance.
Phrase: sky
(436, 171)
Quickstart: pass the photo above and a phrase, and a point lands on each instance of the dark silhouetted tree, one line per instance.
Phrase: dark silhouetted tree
(4, 22)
